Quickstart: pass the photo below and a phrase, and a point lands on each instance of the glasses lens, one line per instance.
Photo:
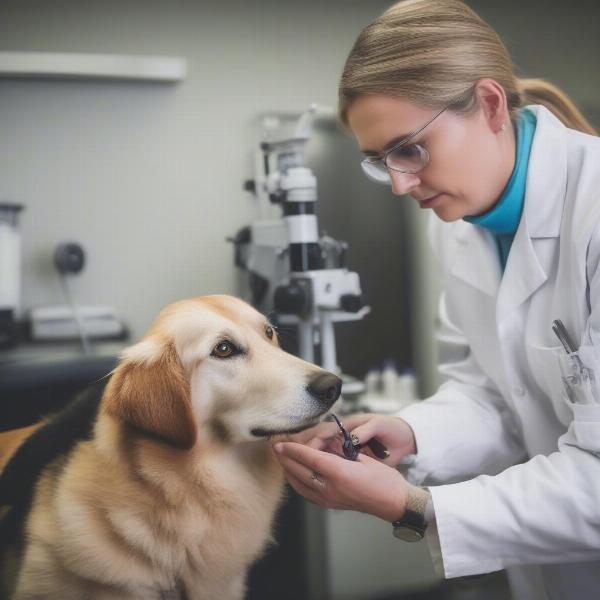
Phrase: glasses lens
(376, 171)
(408, 159)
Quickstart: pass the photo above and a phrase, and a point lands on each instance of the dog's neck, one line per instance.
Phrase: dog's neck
(210, 465)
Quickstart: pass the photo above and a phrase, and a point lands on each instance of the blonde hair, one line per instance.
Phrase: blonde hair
(433, 52)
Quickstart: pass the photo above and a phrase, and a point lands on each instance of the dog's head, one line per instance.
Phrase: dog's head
(214, 363)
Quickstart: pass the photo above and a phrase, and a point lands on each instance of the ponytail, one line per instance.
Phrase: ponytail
(539, 91)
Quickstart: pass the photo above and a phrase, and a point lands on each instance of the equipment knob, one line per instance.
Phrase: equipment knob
(69, 257)
(351, 302)
(290, 299)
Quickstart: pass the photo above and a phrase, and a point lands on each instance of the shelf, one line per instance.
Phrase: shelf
(91, 66)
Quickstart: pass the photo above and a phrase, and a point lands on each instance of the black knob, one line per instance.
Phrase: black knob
(290, 299)
(69, 257)
(351, 302)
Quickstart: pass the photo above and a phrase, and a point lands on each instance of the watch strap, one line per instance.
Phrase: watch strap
(414, 515)
(417, 499)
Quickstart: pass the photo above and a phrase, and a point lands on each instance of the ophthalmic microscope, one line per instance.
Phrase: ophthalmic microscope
(291, 269)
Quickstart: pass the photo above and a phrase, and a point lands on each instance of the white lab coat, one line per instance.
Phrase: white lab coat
(516, 457)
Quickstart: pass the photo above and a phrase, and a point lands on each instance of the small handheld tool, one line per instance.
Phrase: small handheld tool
(351, 445)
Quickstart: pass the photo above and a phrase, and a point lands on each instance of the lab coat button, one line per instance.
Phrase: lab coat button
(518, 391)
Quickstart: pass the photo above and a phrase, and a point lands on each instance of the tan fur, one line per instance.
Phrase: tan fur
(154, 398)
(11, 440)
(160, 496)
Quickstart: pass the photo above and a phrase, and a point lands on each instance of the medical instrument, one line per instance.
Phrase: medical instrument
(563, 336)
(351, 445)
(69, 258)
(579, 380)
(72, 321)
(58, 323)
(291, 268)
(348, 445)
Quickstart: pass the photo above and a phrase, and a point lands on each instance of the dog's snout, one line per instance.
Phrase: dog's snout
(326, 388)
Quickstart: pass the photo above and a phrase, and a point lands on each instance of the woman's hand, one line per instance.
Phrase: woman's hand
(392, 432)
(330, 481)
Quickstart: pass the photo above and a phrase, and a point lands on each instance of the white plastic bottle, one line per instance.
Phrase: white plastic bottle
(389, 378)
(407, 387)
(373, 382)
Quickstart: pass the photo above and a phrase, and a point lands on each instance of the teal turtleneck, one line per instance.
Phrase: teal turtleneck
(503, 218)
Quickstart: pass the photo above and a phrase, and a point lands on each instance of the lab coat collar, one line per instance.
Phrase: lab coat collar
(546, 176)
(545, 193)
(476, 259)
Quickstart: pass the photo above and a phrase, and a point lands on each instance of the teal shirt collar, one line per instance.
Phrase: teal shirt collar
(503, 218)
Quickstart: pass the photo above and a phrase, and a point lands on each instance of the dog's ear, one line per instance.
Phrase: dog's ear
(150, 392)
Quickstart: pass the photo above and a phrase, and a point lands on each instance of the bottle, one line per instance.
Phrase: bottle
(372, 382)
(389, 378)
(407, 387)
(389, 401)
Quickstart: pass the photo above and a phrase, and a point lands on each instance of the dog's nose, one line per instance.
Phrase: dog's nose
(326, 388)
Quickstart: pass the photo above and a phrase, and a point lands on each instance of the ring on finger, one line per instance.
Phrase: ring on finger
(317, 478)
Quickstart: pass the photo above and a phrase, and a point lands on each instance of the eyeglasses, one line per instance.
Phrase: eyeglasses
(403, 157)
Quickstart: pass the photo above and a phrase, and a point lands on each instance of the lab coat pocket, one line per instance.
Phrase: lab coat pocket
(586, 426)
(547, 376)
(578, 371)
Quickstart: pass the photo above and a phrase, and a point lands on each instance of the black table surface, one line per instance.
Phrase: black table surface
(38, 379)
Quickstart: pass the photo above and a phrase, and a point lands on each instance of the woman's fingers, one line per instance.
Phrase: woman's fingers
(328, 429)
(373, 445)
(295, 468)
(313, 494)
(290, 454)
(354, 421)
(366, 431)
(325, 437)
(331, 445)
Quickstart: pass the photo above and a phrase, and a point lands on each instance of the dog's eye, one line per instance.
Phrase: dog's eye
(224, 350)
(269, 331)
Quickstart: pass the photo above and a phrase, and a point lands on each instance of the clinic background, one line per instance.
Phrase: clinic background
(148, 176)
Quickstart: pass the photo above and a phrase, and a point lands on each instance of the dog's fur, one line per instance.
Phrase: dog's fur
(165, 481)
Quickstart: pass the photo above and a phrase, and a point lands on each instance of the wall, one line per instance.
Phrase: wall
(148, 176)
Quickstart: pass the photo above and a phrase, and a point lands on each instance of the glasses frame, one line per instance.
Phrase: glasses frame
(384, 156)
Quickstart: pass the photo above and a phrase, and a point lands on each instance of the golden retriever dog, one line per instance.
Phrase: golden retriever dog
(164, 485)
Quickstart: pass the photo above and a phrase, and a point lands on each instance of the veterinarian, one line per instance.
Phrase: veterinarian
(509, 446)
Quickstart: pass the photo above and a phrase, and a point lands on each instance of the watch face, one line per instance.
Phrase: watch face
(407, 534)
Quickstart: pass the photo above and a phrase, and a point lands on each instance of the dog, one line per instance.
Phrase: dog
(164, 483)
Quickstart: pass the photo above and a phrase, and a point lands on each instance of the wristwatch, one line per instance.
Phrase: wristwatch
(411, 527)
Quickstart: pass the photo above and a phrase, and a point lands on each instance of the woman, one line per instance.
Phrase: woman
(509, 446)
